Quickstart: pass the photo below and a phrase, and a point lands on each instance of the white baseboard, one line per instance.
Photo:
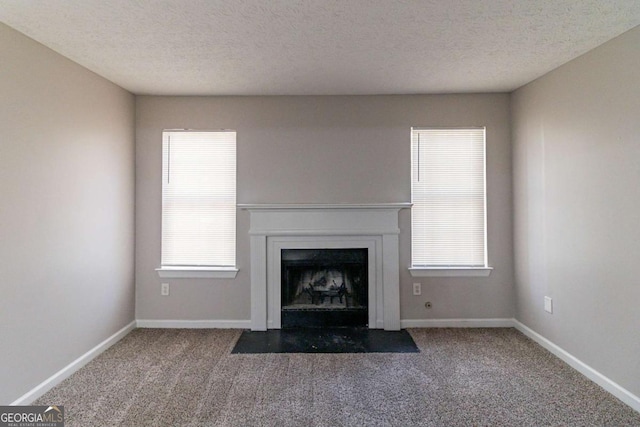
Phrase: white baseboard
(612, 387)
(194, 324)
(457, 323)
(74, 366)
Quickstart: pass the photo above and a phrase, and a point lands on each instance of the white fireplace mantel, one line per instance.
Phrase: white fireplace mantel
(279, 226)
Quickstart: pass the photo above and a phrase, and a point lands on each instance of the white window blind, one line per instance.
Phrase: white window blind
(448, 216)
(199, 198)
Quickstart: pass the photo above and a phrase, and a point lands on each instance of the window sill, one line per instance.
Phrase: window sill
(450, 271)
(197, 272)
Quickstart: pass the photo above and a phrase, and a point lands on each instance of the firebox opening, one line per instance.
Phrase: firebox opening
(324, 287)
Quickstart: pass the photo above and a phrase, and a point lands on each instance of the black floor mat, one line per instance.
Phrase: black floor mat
(325, 340)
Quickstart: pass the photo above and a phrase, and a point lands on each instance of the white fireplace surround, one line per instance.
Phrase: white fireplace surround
(324, 226)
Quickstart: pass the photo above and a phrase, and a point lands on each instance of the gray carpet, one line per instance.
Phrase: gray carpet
(462, 377)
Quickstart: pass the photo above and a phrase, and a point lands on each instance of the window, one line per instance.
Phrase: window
(448, 216)
(198, 204)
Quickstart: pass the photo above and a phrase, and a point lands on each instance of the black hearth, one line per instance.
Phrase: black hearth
(324, 287)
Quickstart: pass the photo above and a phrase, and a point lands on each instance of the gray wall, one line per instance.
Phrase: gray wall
(66, 216)
(334, 149)
(577, 203)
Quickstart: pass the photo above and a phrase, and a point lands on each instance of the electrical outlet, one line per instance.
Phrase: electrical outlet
(548, 304)
(164, 289)
(417, 289)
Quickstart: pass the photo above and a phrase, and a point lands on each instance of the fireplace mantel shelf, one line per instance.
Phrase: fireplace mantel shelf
(311, 206)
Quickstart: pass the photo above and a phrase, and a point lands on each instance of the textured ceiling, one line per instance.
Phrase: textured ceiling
(303, 47)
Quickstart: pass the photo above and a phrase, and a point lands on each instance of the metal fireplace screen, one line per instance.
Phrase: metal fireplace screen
(324, 287)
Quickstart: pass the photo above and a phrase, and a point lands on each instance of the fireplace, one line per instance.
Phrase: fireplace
(324, 287)
(372, 228)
